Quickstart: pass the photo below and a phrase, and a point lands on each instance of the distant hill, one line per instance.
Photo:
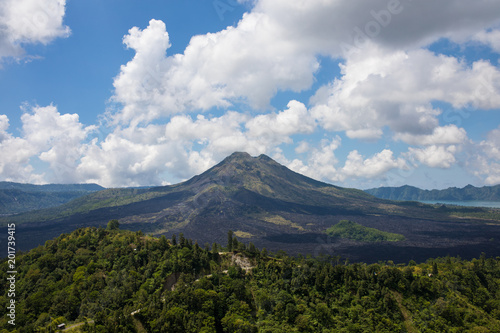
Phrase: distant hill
(468, 193)
(267, 204)
(18, 198)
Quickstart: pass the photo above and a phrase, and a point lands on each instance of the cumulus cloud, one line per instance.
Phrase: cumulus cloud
(277, 128)
(484, 158)
(373, 167)
(238, 63)
(118, 161)
(388, 83)
(394, 24)
(48, 136)
(491, 146)
(275, 47)
(30, 22)
(14, 165)
(396, 90)
(153, 154)
(302, 147)
(4, 125)
(443, 135)
(321, 161)
(485, 169)
(187, 145)
(435, 156)
(490, 38)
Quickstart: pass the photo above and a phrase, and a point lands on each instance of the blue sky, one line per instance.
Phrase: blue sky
(359, 94)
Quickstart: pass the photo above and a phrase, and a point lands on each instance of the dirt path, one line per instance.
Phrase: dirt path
(404, 311)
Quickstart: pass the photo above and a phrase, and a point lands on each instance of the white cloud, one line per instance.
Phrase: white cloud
(389, 81)
(373, 167)
(48, 136)
(118, 161)
(237, 63)
(275, 47)
(364, 133)
(484, 158)
(443, 135)
(491, 146)
(435, 156)
(302, 147)
(221, 135)
(493, 174)
(186, 145)
(321, 162)
(4, 125)
(30, 22)
(396, 90)
(14, 165)
(485, 169)
(267, 52)
(324, 26)
(490, 38)
(45, 127)
(277, 128)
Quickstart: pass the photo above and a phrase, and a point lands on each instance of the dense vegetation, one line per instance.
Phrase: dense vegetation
(354, 231)
(123, 281)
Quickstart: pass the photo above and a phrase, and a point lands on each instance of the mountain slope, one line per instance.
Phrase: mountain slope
(17, 198)
(50, 187)
(271, 206)
(468, 193)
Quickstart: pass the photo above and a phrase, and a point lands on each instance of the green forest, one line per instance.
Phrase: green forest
(111, 280)
(355, 231)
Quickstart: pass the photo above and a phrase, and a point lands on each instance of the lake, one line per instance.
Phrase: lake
(488, 204)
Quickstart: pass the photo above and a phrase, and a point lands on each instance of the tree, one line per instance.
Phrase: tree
(113, 225)
(229, 240)
(163, 243)
(435, 270)
(252, 249)
(182, 240)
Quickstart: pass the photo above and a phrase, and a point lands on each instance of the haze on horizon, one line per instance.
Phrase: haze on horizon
(359, 94)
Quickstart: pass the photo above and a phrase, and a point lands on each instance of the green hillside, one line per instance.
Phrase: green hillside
(98, 280)
(354, 231)
(468, 193)
(18, 198)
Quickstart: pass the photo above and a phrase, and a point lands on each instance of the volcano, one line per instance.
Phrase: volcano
(265, 203)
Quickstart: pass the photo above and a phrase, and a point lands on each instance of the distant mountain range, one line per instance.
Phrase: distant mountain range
(266, 203)
(18, 198)
(468, 193)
